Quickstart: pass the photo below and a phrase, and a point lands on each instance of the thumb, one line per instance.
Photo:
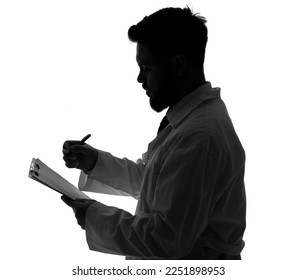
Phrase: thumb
(67, 200)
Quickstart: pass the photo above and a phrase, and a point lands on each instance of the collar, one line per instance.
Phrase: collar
(191, 101)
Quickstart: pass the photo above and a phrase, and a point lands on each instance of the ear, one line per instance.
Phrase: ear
(179, 64)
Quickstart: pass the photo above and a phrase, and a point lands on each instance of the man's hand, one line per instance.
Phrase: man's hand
(79, 156)
(79, 207)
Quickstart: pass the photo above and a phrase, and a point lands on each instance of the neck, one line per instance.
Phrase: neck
(190, 83)
(189, 87)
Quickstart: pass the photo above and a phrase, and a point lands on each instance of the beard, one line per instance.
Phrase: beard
(165, 96)
(158, 103)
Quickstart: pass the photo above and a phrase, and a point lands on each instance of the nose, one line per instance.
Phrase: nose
(140, 78)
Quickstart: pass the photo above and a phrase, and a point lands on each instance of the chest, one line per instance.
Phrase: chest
(154, 159)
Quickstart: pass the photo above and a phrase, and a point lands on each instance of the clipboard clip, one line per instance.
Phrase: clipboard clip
(34, 168)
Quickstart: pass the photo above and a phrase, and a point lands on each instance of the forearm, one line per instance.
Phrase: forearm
(111, 172)
(115, 231)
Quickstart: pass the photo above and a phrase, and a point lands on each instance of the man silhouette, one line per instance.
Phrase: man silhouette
(190, 182)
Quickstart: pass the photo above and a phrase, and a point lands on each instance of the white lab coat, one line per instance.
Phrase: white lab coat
(190, 187)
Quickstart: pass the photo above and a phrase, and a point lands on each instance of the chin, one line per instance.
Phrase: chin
(157, 105)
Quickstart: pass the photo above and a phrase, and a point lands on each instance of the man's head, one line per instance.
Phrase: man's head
(170, 51)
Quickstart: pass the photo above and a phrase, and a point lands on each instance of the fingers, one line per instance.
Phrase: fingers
(68, 144)
(74, 147)
(70, 159)
(71, 163)
(80, 156)
(71, 151)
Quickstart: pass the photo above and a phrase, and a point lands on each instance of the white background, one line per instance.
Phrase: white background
(67, 69)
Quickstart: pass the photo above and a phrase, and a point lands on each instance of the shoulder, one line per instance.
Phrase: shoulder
(208, 127)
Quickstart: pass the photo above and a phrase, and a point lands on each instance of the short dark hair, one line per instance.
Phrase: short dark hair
(172, 31)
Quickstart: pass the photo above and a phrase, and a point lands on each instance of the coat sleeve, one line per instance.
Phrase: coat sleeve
(178, 215)
(112, 175)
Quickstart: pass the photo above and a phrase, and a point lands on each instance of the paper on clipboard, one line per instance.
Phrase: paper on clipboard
(46, 176)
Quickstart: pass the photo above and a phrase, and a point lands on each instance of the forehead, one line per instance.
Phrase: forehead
(144, 55)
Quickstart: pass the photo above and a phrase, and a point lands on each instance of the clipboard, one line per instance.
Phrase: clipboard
(48, 177)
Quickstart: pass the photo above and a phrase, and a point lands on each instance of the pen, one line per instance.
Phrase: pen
(82, 141)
